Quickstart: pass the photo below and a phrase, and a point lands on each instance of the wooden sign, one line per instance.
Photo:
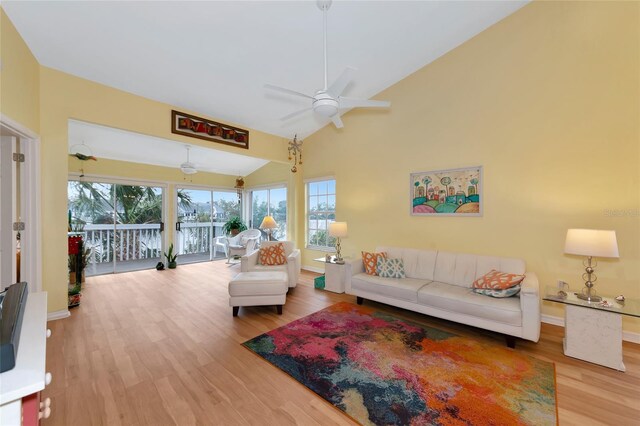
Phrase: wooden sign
(201, 128)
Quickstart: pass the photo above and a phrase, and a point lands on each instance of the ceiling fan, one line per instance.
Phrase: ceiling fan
(329, 101)
(188, 168)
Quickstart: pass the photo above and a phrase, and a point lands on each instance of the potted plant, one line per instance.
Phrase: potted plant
(234, 226)
(171, 258)
(74, 295)
(73, 266)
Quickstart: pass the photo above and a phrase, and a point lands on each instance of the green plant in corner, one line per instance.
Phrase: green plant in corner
(234, 224)
(171, 257)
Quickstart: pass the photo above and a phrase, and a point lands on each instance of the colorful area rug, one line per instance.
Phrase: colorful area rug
(383, 370)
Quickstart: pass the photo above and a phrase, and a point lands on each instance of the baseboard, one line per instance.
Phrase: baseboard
(52, 316)
(627, 336)
(314, 269)
(553, 320)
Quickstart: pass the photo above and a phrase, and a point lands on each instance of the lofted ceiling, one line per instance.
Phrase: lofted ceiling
(215, 57)
(115, 144)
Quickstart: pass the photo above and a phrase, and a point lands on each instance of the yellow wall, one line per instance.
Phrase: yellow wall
(64, 97)
(547, 101)
(19, 78)
(277, 173)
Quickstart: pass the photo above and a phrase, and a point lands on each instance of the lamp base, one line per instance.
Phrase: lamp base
(589, 298)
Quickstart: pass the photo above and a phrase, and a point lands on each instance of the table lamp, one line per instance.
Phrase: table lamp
(338, 230)
(591, 243)
(268, 224)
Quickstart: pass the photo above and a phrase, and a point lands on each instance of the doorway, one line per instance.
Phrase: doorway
(20, 249)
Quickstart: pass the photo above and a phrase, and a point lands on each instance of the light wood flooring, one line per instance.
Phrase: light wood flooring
(162, 348)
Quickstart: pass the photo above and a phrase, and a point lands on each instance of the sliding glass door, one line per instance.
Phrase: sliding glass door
(202, 214)
(121, 225)
(137, 238)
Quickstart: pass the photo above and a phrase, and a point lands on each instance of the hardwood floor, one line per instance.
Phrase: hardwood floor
(162, 348)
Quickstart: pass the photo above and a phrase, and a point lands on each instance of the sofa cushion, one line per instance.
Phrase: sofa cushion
(402, 289)
(485, 264)
(390, 268)
(455, 268)
(258, 284)
(259, 267)
(463, 300)
(497, 280)
(370, 261)
(417, 263)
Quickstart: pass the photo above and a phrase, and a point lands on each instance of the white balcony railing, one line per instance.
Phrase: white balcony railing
(135, 242)
(197, 237)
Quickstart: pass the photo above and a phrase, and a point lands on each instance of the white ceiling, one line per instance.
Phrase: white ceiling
(114, 144)
(215, 57)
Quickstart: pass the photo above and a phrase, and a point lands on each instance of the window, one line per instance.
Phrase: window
(270, 202)
(321, 211)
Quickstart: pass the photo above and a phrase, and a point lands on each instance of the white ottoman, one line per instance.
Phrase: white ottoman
(258, 289)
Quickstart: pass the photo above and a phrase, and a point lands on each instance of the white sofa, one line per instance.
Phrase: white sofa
(250, 263)
(439, 284)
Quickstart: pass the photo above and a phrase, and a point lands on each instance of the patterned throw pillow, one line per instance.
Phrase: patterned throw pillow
(507, 292)
(497, 280)
(370, 261)
(390, 268)
(273, 255)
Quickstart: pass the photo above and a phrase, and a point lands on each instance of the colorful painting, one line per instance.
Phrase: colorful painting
(383, 370)
(454, 192)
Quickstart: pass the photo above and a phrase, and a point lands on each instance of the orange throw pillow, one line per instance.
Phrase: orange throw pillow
(273, 255)
(498, 280)
(370, 261)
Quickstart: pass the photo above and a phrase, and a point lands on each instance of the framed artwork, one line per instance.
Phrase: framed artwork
(453, 192)
(201, 128)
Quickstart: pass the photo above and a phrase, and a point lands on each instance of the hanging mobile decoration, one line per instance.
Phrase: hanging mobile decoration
(295, 149)
(239, 187)
(83, 153)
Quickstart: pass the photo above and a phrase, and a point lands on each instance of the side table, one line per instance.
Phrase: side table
(335, 274)
(593, 331)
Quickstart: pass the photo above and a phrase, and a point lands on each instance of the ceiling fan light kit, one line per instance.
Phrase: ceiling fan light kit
(329, 101)
(188, 168)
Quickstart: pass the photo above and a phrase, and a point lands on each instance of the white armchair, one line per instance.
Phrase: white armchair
(250, 261)
(243, 243)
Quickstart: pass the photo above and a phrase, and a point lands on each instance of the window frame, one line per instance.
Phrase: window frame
(330, 247)
(267, 188)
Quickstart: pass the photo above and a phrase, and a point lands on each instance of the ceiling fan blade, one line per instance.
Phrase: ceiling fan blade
(366, 103)
(289, 91)
(337, 121)
(295, 114)
(338, 86)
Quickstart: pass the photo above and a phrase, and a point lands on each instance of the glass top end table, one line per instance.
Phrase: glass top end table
(593, 330)
(629, 307)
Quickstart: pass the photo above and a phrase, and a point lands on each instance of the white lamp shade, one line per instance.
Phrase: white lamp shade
(268, 223)
(338, 229)
(591, 242)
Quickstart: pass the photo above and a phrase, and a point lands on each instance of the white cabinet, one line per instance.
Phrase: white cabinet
(19, 392)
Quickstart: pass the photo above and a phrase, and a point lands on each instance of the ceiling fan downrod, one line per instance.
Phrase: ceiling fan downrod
(324, 6)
